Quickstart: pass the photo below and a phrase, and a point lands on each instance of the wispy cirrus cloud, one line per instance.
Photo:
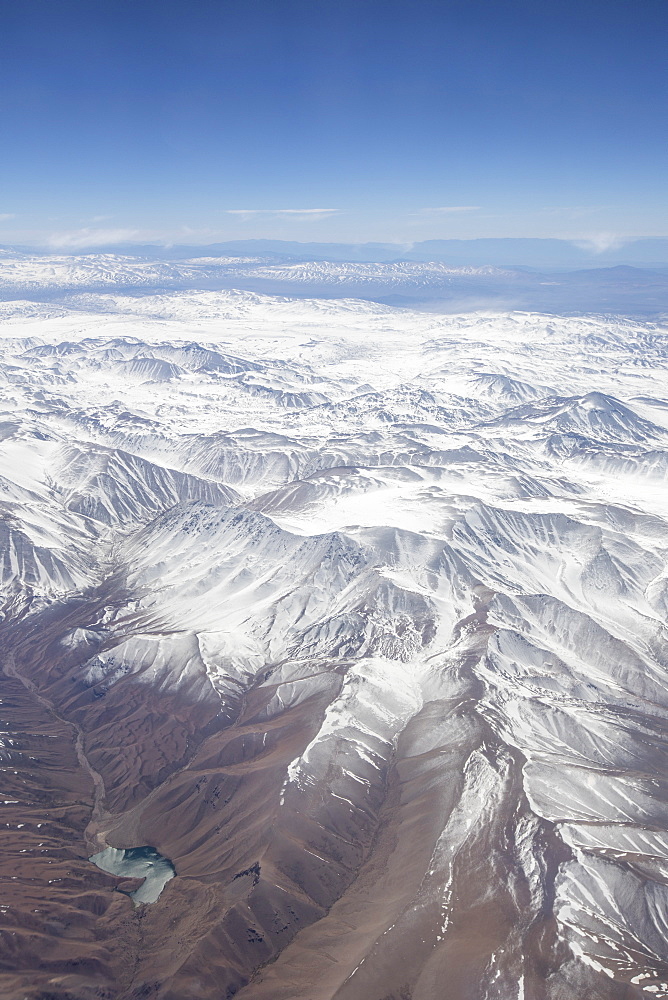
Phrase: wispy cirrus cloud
(304, 214)
(572, 211)
(76, 239)
(446, 209)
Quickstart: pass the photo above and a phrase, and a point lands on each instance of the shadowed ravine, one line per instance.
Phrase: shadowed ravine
(440, 866)
(364, 636)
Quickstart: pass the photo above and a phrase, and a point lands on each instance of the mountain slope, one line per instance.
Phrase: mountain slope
(354, 614)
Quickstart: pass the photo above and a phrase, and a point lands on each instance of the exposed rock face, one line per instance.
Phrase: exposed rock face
(357, 616)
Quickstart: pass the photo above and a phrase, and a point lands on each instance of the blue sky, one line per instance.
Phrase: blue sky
(353, 120)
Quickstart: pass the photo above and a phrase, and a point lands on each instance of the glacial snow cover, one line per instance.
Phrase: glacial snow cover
(407, 573)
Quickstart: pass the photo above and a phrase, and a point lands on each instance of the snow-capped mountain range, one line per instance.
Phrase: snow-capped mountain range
(639, 291)
(357, 615)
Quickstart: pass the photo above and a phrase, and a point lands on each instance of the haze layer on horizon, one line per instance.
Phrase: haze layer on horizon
(361, 120)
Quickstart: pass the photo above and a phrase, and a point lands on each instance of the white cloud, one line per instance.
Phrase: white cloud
(305, 214)
(77, 239)
(574, 211)
(600, 242)
(4, 216)
(444, 209)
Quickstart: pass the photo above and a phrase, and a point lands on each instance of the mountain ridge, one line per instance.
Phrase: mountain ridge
(508, 251)
(356, 615)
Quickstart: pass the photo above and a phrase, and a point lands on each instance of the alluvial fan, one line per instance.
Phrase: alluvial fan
(357, 617)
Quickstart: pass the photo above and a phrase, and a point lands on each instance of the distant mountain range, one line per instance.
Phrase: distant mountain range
(435, 285)
(538, 253)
